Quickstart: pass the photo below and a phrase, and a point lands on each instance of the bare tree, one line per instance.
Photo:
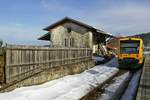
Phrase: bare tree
(1, 43)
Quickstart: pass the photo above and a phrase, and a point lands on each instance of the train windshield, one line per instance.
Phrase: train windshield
(129, 47)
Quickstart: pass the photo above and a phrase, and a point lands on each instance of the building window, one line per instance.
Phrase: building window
(71, 42)
(69, 29)
(66, 44)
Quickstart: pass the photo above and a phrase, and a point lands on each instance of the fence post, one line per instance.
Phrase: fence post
(2, 62)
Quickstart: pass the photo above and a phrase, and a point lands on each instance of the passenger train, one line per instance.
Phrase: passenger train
(130, 53)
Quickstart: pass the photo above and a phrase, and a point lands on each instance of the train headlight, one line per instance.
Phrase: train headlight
(120, 56)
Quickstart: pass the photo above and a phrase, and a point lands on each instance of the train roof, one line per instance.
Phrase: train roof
(129, 38)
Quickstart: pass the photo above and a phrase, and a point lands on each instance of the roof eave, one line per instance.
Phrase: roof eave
(45, 37)
(102, 32)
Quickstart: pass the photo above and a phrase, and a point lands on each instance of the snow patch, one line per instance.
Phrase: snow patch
(71, 87)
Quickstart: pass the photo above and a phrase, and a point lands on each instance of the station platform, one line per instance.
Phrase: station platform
(143, 92)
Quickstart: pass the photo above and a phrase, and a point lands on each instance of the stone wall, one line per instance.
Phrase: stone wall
(50, 74)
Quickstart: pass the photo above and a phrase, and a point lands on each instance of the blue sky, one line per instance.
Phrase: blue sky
(22, 21)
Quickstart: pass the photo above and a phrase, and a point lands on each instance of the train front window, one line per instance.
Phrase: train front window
(129, 47)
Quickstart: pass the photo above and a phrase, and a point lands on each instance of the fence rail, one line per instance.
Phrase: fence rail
(24, 61)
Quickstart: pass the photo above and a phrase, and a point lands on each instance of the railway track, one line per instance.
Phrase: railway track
(122, 86)
(115, 87)
(118, 86)
(106, 90)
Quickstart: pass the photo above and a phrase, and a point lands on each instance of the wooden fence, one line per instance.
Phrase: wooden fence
(25, 61)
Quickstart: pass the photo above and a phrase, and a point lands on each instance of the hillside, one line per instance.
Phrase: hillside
(145, 37)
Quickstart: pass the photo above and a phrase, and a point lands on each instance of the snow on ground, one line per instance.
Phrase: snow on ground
(112, 63)
(111, 89)
(98, 58)
(147, 52)
(71, 87)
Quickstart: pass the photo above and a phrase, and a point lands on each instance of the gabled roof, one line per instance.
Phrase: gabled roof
(67, 19)
(70, 20)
